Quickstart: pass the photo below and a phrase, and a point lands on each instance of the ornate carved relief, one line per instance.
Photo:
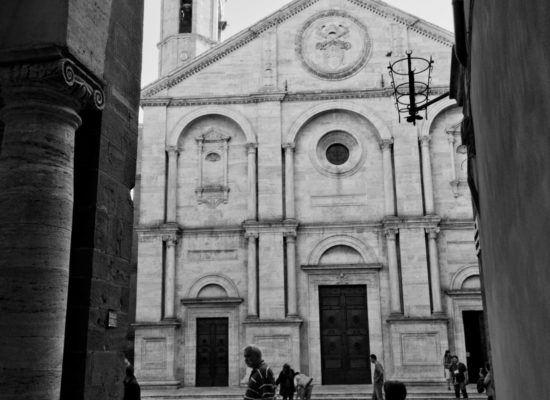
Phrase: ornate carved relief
(213, 149)
(333, 45)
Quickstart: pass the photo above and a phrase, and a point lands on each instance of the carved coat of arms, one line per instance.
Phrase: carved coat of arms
(332, 44)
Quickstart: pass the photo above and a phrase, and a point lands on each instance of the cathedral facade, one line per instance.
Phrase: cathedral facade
(281, 202)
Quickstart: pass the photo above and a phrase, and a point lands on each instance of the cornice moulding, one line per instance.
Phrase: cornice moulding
(254, 98)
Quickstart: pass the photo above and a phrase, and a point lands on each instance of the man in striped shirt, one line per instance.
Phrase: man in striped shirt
(261, 384)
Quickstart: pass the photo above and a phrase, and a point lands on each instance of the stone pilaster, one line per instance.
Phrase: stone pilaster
(172, 184)
(252, 195)
(292, 307)
(427, 175)
(289, 181)
(389, 197)
(395, 291)
(42, 101)
(252, 275)
(170, 277)
(451, 139)
(434, 270)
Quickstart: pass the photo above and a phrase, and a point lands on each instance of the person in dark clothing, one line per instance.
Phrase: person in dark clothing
(131, 386)
(261, 384)
(286, 382)
(378, 379)
(395, 390)
(460, 377)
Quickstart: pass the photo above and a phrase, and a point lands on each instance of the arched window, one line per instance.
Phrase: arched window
(186, 16)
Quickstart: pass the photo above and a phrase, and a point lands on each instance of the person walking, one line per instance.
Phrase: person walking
(132, 390)
(285, 381)
(460, 377)
(378, 379)
(304, 386)
(446, 365)
(261, 383)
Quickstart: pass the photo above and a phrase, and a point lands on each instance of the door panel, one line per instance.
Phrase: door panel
(212, 352)
(344, 335)
(476, 346)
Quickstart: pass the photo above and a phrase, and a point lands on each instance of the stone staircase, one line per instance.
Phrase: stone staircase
(328, 392)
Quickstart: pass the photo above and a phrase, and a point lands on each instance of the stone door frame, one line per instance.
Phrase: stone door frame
(368, 275)
(226, 309)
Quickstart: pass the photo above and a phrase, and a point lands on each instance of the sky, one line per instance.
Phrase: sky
(242, 13)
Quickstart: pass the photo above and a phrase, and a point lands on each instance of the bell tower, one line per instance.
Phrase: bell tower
(188, 28)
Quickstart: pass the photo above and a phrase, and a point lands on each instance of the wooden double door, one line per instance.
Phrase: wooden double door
(344, 335)
(212, 352)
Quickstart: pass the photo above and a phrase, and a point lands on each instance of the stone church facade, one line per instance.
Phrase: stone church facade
(281, 203)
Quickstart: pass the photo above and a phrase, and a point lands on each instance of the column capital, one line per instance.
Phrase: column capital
(391, 232)
(251, 235)
(385, 144)
(424, 140)
(432, 232)
(288, 146)
(46, 81)
(170, 239)
(172, 150)
(290, 236)
(251, 147)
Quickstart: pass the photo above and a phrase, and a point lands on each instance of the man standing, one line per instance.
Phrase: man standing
(378, 379)
(261, 384)
(459, 373)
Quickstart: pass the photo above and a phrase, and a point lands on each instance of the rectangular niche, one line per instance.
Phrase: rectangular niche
(212, 189)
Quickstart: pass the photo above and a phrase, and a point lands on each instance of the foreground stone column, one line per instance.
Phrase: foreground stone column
(292, 308)
(170, 278)
(389, 197)
(252, 196)
(434, 270)
(252, 276)
(395, 292)
(172, 183)
(42, 101)
(427, 174)
(289, 181)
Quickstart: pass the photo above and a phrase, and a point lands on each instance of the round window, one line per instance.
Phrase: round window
(337, 154)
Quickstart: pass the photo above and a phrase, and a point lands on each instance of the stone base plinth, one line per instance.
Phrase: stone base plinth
(155, 353)
(417, 346)
(279, 340)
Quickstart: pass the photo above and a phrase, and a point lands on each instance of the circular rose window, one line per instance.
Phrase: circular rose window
(337, 153)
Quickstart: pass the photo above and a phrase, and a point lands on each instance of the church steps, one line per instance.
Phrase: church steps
(354, 392)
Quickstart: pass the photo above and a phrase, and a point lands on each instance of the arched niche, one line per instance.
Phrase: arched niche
(339, 246)
(381, 129)
(180, 127)
(341, 254)
(465, 277)
(213, 283)
(212, 290)
(425, 125)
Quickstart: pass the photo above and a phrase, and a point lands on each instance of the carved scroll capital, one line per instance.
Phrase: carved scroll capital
(60, 75)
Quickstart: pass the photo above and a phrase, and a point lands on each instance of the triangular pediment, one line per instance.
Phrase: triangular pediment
(383, 10)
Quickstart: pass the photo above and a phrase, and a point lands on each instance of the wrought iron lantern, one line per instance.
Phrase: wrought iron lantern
(410, 81)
